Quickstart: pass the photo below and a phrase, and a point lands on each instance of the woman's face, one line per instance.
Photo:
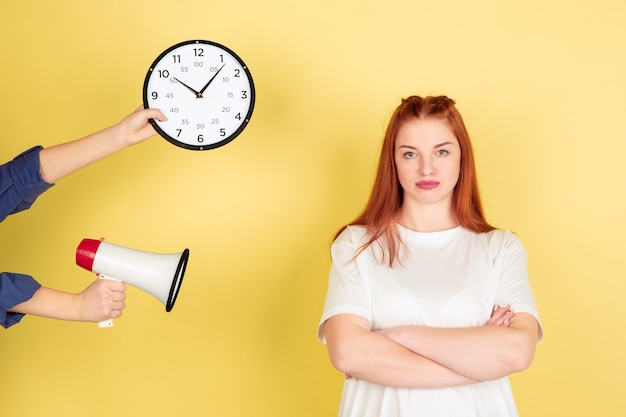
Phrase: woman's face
(428, 162)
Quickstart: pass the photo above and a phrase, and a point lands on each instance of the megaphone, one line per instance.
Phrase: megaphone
(157, 274)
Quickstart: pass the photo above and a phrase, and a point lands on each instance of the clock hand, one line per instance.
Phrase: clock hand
(198, 95)
(212, 78)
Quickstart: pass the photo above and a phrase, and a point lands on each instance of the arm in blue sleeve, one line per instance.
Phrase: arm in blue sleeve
(14, 290)
(21, 182)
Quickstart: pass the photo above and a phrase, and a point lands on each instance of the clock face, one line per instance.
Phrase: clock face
(206, 92)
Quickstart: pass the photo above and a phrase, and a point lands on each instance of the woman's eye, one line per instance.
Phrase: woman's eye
(442, 152)
(409, 154)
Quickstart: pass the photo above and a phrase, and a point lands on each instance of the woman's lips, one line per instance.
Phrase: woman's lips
(427, 185)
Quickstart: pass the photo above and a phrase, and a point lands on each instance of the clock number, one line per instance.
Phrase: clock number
(199, 125)
(215, 121)
(164, 73)
(198, 64)
(238, 117)
(222, 132)
(176, 59)
(179, 132)
(244, 94)
(174, 110)
(184, 69)
(225, 79)
(225, 109)
(155, 95)
(221, 58)
(200, 138)
(237, 72)
(198, 51)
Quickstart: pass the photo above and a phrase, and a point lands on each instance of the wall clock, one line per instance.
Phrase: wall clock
(205, 90)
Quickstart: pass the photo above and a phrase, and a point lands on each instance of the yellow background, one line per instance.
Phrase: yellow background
(540, 84)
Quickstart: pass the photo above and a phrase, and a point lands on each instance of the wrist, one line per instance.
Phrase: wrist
(119, 139)
(73, 309)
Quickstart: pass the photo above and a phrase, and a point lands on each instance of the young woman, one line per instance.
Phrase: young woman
(22, 180)
(428, 308)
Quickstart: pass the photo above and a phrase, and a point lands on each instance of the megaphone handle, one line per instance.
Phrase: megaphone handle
(105, 324)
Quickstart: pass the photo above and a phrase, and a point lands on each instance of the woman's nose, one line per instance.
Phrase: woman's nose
(426, 167)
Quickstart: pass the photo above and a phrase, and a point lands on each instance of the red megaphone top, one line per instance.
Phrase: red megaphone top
(86, 253)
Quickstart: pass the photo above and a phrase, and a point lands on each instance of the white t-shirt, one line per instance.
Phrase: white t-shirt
(452, 278)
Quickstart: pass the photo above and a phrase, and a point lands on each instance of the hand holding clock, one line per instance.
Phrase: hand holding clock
(135, 127)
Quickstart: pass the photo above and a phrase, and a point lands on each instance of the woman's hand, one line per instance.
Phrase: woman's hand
(501, 316)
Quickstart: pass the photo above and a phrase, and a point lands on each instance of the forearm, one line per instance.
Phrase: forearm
(392, 365)
(62, 160)
(362, 354)
(483, 353)
(59, 161)
(47, 302)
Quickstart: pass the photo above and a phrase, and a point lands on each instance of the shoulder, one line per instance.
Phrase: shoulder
(503, 243)
(348, 242)
(501, 237)
(494, 237)
(351, 234)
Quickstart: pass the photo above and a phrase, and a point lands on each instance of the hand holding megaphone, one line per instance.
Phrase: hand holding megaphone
(157, 274)
(102, 298)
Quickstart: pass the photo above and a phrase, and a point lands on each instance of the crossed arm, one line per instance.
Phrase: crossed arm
(426, 357)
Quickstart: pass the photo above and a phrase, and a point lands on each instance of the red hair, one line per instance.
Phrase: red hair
(379, 215)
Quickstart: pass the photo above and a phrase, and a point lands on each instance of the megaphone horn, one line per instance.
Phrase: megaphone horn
(160, 275)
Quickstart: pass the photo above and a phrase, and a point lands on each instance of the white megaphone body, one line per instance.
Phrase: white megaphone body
(157, 274)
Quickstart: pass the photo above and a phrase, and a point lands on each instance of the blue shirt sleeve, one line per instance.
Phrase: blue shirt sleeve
(14, 289)
(21, 183)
